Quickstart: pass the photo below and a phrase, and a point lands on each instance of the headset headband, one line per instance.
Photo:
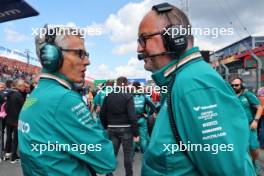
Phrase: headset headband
(163, 7)
(50, 38)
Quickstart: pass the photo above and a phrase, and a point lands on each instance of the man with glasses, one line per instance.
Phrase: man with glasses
(57, 133)
(198, 128)
(253, 109)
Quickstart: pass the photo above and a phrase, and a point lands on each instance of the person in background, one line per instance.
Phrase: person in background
(118, 116)
(261, 122)
(253, 109)
(6, 90)
(144, 109)
(14, 103)
(99, 98)
(34, 82)
(9, 84)
(27, 88)
(2, 116)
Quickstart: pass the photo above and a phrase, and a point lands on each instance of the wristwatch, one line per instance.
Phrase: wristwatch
(256, 120)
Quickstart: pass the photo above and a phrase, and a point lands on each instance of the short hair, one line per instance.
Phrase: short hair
(59, 39)
(136, 84)
(109, 83)
(9, 83)
(240, 79)
(121, 81)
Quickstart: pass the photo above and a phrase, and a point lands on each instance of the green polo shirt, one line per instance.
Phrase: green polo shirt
(248, 101)
(209, 118)
(56, 118)
(99, 98)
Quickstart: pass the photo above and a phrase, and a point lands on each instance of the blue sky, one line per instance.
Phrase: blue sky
(113, 53)
(82, 13)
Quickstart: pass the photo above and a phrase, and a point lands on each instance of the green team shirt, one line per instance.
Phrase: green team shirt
(54, 115)
(99, 98)
(143, 104)
(248, 101)
(208, 114)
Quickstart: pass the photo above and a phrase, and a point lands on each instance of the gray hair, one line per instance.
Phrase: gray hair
(61, 33)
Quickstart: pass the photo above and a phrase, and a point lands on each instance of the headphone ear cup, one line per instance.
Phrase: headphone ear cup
(173, 40)
(243, 86)
(51, 57)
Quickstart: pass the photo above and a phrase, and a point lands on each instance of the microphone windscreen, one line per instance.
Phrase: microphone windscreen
(141, 56)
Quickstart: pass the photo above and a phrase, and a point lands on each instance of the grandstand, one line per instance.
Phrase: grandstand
(236, 60)
(13, 69)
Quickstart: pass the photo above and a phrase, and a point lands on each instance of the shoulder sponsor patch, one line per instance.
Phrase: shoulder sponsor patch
(82, 113)
(29, 102)
(198, 108)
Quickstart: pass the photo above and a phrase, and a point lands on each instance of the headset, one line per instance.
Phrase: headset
(51, 57)
(242, 84)
(175, 44)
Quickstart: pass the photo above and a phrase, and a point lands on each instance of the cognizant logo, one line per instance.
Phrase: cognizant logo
(24, 127)
(9, 13)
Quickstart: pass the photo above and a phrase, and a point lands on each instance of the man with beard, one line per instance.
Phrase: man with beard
(253, 110)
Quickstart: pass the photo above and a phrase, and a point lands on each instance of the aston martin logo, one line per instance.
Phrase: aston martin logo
(197, 108)
(29, 102)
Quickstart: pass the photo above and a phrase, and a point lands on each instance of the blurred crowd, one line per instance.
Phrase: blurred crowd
(13, 69)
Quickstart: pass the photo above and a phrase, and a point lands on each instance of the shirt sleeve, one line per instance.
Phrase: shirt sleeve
(210, 121)
(253, 100)
(76, 126)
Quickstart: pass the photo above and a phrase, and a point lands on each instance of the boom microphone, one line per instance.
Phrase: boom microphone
(142, 56)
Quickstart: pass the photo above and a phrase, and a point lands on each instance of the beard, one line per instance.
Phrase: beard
(238, 90)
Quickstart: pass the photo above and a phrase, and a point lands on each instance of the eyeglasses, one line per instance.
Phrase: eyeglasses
(142, 39)
(235, 85)
(81, 53)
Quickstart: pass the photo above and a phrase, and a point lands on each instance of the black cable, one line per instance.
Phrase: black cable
(172, 119)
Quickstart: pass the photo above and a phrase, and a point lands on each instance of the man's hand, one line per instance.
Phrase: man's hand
(254, 125)
(98, 108)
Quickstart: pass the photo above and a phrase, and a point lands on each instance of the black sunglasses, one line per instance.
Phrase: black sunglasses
(235, 85)
(81, 53)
